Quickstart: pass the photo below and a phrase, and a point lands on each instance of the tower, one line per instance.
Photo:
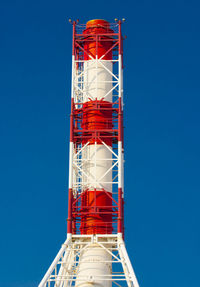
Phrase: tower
(94, 252)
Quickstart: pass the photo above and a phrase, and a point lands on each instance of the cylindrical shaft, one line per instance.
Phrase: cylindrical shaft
(97, 119)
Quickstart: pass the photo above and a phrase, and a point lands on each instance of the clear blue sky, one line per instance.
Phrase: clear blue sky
(162, 100)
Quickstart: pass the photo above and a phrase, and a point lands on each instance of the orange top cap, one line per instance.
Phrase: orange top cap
(97, 23)
(103, 46)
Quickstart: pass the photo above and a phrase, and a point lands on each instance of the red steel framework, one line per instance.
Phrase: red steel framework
(97, 121)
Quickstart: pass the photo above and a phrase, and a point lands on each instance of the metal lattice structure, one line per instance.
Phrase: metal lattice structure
(94, 252)
(65, 268)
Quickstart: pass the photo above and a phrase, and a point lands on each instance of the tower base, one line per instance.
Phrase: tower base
(91, 260)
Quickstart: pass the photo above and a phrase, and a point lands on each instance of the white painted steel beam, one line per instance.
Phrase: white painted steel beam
(82, 253)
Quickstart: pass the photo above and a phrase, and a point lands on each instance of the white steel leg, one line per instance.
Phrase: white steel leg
(54, 263)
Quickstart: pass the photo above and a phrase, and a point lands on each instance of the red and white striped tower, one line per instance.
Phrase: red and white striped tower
(94, 252)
